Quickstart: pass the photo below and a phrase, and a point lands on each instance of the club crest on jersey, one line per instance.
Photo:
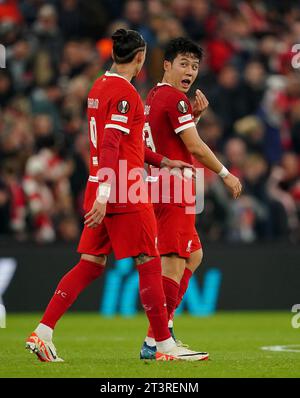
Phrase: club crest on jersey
(182, 106)
(123, 106)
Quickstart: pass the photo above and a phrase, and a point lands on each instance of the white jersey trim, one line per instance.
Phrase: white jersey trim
(116, 126)
(119, 118)
(185, 118)
(115, 75)
(185, 126)
(164, 84)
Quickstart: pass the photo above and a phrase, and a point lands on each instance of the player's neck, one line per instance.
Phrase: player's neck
(167, 80)
(122, 70)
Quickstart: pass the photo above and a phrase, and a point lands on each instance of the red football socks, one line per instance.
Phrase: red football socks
(183, 285)
(69, 288)
(153, 298)
(171, 289)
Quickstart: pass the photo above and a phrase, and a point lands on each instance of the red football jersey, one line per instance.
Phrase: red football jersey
(168, 112)
(113, 103)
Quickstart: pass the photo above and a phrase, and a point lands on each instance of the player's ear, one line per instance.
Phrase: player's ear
(167, 66)
(140, 57)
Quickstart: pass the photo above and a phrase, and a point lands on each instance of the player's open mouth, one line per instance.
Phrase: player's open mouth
(185, 83)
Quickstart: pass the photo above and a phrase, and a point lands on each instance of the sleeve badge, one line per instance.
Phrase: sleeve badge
(182, 106)
(123, 107)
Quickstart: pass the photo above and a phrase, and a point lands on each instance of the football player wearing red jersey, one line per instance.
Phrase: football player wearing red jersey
(171, 129)
(115, 218)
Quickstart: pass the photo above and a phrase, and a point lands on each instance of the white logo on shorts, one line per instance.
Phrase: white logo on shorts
(189, 245)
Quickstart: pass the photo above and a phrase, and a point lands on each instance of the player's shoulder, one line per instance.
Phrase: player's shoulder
(115, 84)
(175, 100)
(171, 93)
(168, 89)
(119, 81)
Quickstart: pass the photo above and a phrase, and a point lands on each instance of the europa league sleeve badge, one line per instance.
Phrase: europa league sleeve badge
(182, 106)
(123, 107)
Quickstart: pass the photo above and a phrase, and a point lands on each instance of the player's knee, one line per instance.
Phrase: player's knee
(179, 273)
(199, 257)
(174, 274)
(142, 259)
(195, 260)
(98, 260)
(173, 267)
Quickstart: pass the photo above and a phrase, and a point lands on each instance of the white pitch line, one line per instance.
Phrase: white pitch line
(282, 348)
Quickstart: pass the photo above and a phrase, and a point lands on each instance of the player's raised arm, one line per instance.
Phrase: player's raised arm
(197, 147)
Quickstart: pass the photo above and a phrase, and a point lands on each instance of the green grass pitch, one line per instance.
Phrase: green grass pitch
(93, 346)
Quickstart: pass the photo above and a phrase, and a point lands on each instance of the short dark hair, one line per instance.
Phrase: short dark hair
(126, 43)
(182, 45)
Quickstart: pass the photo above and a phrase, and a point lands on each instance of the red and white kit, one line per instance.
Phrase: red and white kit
(169, 112)
(128, 228)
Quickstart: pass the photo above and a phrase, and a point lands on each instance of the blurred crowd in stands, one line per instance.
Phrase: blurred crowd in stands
(56, 49)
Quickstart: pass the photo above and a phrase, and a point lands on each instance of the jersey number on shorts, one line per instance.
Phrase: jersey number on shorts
(147, 137)
(93, 131)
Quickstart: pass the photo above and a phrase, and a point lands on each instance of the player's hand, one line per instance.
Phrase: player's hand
(95, 216)
(179, 164)
(200, 105)
(233, 184)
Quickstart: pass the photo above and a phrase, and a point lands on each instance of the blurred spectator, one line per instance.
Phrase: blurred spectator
(70, 19)
(227, 98)
(220, 47)
(254, 85)
(47, 192)
(29, 9)
(9, 11)
(40, 199)
(95, 17)
(6, 88)
(210, 130)
(16, 209)
(80, 171)
(284, 187)
(295, 127)
(43, 132)
(46, 33)
(253, 132)
(5, 203)
(196, 25)
(134, 15)
(235, 154)
(20, 64)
